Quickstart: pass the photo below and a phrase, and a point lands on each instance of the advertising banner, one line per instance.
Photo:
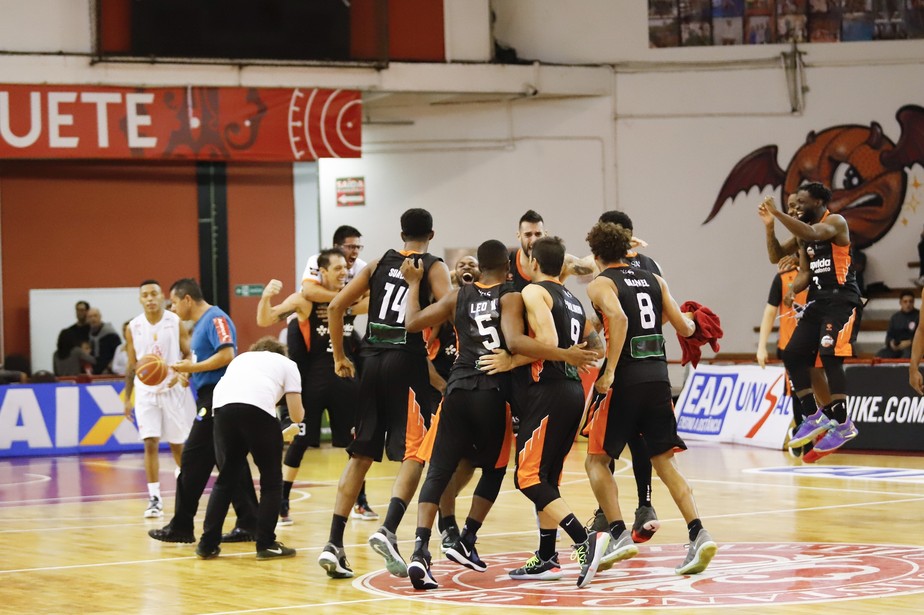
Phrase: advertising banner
(64, 418)
(180, 123)
(735, 403)
(884, 407)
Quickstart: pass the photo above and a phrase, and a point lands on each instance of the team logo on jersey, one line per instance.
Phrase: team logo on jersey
(741, 575)
(827, 341)
(864, 169)
(810, 251)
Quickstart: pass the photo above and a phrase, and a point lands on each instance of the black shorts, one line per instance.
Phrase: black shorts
(473, 425)
(322, 389)
(547, 430)
(394, 410)
(644, 408)
(827, 327)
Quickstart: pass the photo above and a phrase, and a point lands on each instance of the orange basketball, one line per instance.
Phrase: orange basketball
(151, 369)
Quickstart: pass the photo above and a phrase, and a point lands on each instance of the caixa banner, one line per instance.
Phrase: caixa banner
(182, 123)
(740, 403)
(64, 418)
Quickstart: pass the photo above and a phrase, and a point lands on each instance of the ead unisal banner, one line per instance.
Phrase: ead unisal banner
(246, 124)
(735, 403)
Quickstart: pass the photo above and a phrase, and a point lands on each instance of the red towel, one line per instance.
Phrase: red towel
(708, 330)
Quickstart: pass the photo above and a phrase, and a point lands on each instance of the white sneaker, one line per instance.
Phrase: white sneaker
(155, 508)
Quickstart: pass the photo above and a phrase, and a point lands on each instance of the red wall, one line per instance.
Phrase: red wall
(415, 30)
(88, 224)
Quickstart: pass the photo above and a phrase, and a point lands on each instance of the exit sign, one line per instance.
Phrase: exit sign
(249, 290)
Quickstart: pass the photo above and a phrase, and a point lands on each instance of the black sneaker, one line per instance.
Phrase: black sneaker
(646, 524)
(588, 555)
(461, 553)
(597, 523)
(238, 534)
(277, 550)
(168, 534)
(419, 571)
(333, 560)
(284, 518)
(537, 569)
(203, 552)
(448, 538)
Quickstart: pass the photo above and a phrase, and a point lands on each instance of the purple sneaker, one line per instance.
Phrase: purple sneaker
(810, 428)
(837, 437)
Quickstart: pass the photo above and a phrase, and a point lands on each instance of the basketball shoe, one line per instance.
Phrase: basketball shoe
(646, 524)
(811, 427)
(155, 508)
(385, 543)
(588, 555)
(284, 518)
(419, 571)
(538, 569)
(833, 440)
(466, 555)
(277, 550)
(621, 547)
(363, 512)
(333, 560)
(700, 553)
(448, 538)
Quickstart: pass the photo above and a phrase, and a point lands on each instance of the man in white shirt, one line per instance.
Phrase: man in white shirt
(245, 422)
(348, 240)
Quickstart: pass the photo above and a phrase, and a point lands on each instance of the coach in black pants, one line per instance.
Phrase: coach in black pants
(213, 342)
(245, 422)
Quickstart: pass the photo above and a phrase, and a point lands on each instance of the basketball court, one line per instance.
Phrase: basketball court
(842, 535)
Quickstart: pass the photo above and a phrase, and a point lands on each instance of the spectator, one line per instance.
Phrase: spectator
(901, 329)
(12, 376)
(858, 262)
(919, 282)
(72, 356)
(103, 341)
(80, 329)
(120, 358)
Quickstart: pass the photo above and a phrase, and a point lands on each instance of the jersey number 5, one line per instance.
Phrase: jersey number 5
(493, 340)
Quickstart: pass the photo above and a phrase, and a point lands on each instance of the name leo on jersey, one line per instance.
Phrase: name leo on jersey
(481, 307)
(636, 283)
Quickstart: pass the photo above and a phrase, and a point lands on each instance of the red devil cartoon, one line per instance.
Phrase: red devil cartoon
(864, 169)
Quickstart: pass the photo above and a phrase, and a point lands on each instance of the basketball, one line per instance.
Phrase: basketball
(151, 369)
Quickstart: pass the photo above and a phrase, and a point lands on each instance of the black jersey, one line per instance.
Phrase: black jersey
(388, 301)
(642, 358)
(640, 261)
(478, 329)
(831, 270)
(517, 277)
(444, 350)
(309, 340)
(569, 318)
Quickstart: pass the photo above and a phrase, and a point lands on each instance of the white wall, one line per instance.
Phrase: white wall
(656, 134)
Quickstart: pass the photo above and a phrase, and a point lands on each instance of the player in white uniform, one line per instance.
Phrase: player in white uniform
(165, 410)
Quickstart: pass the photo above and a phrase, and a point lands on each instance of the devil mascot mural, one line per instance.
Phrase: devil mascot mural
(863, 167)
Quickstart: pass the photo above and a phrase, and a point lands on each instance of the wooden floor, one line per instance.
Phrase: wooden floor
(72, 540)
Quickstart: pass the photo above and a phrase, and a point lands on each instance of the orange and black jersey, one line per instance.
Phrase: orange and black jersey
(388, 302)
(640, 261)
(308, 340)
(787, 315)
(517, 277)
(642, 358)
(569, 318)
(478, 331)
(831, 270)
(444, 349)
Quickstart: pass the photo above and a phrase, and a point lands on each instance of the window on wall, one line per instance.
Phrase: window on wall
(681, 23)
(239, 29)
